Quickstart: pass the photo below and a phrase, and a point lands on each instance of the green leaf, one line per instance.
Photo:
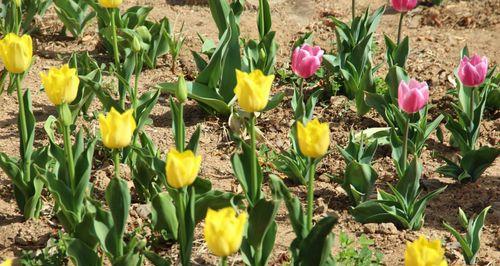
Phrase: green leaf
(316, 248)
(477, 161)
(81, 254)
(118, 199)
(260, 221)
(163, 215)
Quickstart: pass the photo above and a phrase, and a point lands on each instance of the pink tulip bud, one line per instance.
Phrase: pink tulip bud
(412, 96)
(306, 60)
(403, 6)
(472, 71)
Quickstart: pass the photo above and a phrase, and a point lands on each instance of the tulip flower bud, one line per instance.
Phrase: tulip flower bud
(17, 2)
(425, 252)
(136, 44)
(412, 96)
(110, 3)
(314, 138)
(252, 90)
(182, 168)
(117, 129)
(224, 231)
(403, 6)
(182, 92)
(16, 52)
(472, 71)
(143, 33)
(61, 84)
(306, 60)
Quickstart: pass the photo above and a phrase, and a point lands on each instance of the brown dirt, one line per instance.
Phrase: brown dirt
(437, 35)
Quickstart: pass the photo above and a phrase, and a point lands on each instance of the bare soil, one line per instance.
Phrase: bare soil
(437, 35)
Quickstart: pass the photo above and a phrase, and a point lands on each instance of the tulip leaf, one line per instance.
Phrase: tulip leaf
(260, 221)
(118, 199)
(81, 254)
(163, 216)
(316, 248)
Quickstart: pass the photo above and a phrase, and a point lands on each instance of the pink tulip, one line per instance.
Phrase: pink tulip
(306, 60)
(412, 96)
(403, 6)
(472, 71)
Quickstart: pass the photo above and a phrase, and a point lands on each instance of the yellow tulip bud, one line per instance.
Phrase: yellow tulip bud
(17, 2)
(423, 252)
(61, 84)
(8, 262)
(224, 231)
(314, 138)
(117, 129)
(252, 90)
(182, 168)
(16, 52)
(110, 3)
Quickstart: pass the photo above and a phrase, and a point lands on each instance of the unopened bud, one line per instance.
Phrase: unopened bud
(136, 44)
(182, 92)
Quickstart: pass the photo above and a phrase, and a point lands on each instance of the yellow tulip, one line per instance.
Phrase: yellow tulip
(252, 90)
(61, 85)
(182, 168)
(8, 262)
(314, 138)
(16, 52)
(224, 231)
(17, 2)
(110, 3)
(423, 252)
(117, 129)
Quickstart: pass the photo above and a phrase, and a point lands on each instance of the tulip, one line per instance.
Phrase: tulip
(17, 2)
(423, 252)
(61, 84)
(306, 60)
(403, 6)
(182, 168)
(16, 52)
(412, 96)
(110, 3)
(472, 71)
(314, 138)
(252, 90)
(117, 129)
(8, 262)
(224, 231)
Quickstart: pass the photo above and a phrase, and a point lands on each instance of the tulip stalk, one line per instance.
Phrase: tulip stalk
(24, 126)
(116, 161)
(68, 150)
(353, 9)
(400, 28)
(405, 144)
(310, 193)
(253, 163)
(116, 53)
(223, 261)
(181, 206)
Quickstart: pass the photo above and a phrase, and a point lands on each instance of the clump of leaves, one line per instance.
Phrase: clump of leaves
(52, 255)
(357, 253)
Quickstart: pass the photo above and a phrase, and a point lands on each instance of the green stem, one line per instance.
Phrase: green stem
(353, 9)
(223, 261)
(310, 193)
(253, 160)
(471, 110)
(181, 205)
(405, 144)
(400, 27)
(116, 53)
(24, 127)
(180, 134)
(69, 153)
(116, 161)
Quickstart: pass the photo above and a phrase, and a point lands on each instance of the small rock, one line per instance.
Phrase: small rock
(387, 228)
(324, 178)
(370, 228)
(143, 211)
